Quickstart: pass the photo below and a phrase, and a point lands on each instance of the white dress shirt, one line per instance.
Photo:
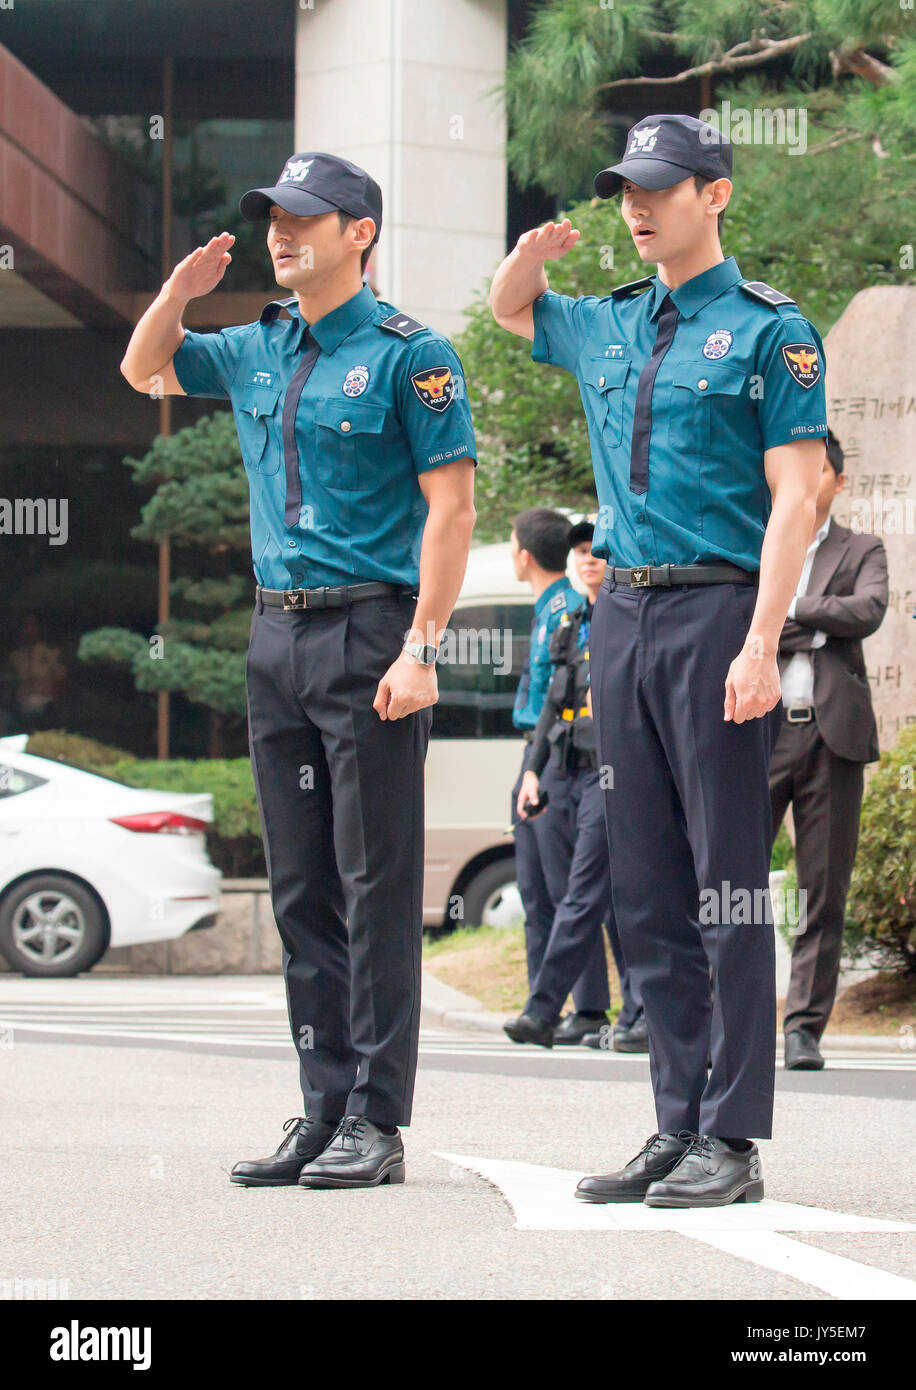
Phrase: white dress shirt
(798, 677)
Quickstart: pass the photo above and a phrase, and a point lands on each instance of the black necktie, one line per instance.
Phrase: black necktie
(642, 418)
(290, 406)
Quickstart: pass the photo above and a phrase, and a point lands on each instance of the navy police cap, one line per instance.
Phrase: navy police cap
(312, 183)
(665, 150)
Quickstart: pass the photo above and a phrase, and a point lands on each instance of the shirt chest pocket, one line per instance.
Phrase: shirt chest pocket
(348, 444)
(708, 408)
(258, 422)
(604, 380)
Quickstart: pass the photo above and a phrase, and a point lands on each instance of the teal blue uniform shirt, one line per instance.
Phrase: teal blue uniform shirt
(743, 373)
(382, 405)
(558, 598)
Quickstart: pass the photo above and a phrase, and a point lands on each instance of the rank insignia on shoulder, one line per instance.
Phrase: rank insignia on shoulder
(557, 602)
(765, 293)
(624, 291)
(435, 387)
(803, 363)
(402, 324)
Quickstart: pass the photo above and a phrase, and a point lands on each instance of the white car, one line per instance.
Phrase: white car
(87, 863)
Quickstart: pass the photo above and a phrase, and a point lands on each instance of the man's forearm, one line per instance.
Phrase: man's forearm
(443, 561)
(516, 284)
(156, 338)
(785, 544)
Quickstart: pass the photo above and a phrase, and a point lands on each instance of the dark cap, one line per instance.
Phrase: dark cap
(312, 183)
(665, 150)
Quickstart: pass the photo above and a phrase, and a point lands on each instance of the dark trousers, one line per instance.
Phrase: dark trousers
(542, 864)
(826, 796)
(340, 796)
(580, 832)
(689, 814)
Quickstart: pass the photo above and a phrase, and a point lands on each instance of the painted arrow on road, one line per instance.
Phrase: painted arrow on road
(542, 1200)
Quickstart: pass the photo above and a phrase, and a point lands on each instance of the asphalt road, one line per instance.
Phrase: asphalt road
(124, 1104)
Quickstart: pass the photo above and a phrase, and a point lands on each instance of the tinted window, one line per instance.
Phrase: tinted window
(479, 668)
(12, 781)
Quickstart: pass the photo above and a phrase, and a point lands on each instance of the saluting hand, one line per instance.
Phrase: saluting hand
(406, 686)
(547, 243)
(202, 270)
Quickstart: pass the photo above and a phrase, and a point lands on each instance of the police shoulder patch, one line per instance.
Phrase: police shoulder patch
(766, 294)
(402, 324)
(624, 291)
(557, 602)
(803, 363)
(435, 387)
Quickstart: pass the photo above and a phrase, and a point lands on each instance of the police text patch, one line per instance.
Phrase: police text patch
(802, 362)
(435, 387)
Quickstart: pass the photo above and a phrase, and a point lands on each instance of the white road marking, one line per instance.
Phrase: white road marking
(542, 1199)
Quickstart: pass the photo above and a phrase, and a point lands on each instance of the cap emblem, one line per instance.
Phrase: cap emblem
(296, 170)
(643, 141)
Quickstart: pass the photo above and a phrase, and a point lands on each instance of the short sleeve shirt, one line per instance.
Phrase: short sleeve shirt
(384, 403)
(743, 373)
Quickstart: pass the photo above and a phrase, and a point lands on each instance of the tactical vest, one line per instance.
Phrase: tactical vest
(572, 739)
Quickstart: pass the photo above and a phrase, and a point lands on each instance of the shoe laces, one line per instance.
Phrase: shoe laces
(293, 1120)
(350, 1128)
(700, 1144)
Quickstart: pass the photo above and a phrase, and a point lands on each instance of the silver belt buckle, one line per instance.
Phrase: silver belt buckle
(293, 599)
(641, 577)
(804, 713)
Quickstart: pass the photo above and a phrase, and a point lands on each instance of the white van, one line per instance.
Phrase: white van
(474, 751)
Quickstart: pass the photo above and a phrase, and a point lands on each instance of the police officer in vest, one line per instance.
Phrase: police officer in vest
(573, 830)
(705, 403)
(356, 436)
(539, 546)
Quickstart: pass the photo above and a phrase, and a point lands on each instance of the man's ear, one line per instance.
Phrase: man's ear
(363, 232)
(720, 190)
(840, 481)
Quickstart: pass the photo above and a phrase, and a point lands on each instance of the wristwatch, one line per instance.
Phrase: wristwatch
(425, 655)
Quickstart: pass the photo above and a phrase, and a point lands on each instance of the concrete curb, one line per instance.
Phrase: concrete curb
(445, 1007)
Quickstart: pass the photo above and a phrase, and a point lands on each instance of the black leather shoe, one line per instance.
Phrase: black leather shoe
(528, 1029)
(304, 1141)
(359, 1155)
(573, 1028)
(802, 1052)
(711, 1174)
(603, 1040)
(632, 1039)
(656, 1158)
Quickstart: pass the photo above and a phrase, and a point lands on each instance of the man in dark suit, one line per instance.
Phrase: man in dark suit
(827, 736)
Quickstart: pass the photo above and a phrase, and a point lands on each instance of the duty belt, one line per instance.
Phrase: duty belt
(297, 600)
(648, 576)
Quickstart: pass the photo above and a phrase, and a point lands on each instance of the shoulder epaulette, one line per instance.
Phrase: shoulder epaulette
(624, 291)
(402, 324)
(766, 294)
(271, 310)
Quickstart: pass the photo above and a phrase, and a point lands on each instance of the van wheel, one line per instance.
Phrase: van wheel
(50, 926)
(491, 899)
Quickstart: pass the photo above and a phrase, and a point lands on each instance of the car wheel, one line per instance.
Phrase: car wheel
(491, 899)
(51, 926)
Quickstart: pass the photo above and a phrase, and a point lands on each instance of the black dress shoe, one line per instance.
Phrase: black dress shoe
(304, 1141)
(635, 1038)
(656, 1158)
(711, 1174)
(802, 1052)
(528, 1029)
(573, 1028)
(359, 1155)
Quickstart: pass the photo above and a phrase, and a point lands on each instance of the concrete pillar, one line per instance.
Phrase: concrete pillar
(403, 88)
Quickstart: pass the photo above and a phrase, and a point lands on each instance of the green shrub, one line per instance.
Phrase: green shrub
(881, 909)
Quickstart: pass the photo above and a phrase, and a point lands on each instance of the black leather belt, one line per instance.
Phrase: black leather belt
(296, 600)
(648, 576)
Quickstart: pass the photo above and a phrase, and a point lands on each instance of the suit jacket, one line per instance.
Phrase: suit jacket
(847, 599)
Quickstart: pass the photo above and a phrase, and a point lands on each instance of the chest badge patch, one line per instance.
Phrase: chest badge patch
(802, 362)
(435, 387)
(717, 344)
(356, 381)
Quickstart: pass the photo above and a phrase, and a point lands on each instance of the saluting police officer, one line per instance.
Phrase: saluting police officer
(355, 431)
(705, 404)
